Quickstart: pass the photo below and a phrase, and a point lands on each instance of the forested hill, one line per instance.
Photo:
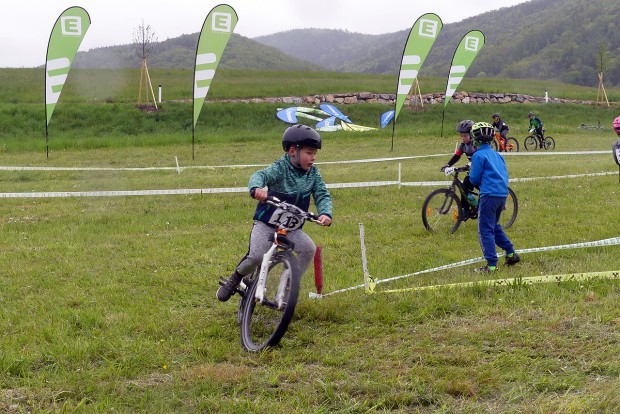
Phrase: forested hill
(180, 53)
(540, 39)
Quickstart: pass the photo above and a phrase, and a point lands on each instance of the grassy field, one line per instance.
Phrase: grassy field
(107, 304)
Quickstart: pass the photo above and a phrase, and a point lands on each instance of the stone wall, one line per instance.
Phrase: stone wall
(428, 99)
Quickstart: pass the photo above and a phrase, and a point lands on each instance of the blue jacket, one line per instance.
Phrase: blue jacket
(489, 172)
(293, 185)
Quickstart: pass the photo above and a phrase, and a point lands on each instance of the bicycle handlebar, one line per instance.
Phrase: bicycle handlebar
(293, 209)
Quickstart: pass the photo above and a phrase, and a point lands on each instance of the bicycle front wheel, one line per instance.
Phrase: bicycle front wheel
(509, 214)
(549, 143)
(512, 145)
(264, 324)
(530, 143)
(441, 211)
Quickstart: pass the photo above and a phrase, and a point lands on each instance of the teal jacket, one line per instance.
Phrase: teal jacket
(293, 185)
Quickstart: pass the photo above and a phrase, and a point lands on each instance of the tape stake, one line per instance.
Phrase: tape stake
(369, 281)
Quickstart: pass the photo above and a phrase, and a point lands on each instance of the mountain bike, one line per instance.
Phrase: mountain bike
(446, 208)
(509, 145)
(539, 141)
(269, 295)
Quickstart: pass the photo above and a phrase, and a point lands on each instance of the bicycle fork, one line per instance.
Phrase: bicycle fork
(262, 279)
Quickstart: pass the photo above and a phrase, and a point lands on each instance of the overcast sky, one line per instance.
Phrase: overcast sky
(26, 24)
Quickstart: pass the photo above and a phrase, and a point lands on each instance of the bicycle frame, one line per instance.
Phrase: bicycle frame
(456, 183)
(264, 268)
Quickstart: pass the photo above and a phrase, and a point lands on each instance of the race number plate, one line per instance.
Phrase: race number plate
(285, 219)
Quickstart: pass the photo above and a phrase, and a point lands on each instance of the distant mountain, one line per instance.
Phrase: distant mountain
(180, 53)
(540, 39)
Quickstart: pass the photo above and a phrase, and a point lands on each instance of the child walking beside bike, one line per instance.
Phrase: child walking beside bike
(489, 173)
(294, 179)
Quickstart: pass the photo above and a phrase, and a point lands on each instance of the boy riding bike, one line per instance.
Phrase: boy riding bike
(536, 124)
(465, 147)
(293, 178)
(501, 127)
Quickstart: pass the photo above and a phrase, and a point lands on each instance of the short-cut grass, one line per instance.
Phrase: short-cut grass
(107, 304)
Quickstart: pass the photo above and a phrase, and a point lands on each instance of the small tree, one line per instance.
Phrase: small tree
(144, 41)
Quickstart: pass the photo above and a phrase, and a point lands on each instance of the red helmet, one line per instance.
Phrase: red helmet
(616, 125)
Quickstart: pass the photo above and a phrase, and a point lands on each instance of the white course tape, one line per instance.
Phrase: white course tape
(243, 189)
(606, 242)
(20, 168)
(568, 277)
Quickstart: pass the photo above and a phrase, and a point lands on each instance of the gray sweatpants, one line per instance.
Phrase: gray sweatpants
(259, 244)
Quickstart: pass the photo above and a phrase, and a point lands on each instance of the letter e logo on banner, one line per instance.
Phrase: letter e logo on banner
(428, 28)
(71, 25)
(472, 43)
(221, 22)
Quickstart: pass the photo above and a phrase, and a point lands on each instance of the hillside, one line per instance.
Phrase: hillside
(530, 40)
(180, 52)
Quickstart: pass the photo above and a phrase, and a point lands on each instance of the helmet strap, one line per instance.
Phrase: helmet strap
(295, 158)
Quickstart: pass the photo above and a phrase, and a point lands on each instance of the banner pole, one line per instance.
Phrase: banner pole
(443, 115)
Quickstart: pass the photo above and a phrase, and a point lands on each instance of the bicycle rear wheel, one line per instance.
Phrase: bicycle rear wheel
(494, 145)
(441, 211)
(264, 324)
(509, 215)
(530, 143)
(512, 145)
(549, 143)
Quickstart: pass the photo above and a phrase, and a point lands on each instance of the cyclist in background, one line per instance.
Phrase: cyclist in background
(616, 125)
(465, 147)
(294, 179)
(535, 124)
(502, 128)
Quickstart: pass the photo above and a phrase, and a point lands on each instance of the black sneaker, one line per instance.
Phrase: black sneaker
(228, 286)
(511, 260)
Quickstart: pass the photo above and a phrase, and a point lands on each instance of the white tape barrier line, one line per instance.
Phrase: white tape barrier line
(606, 242)
(243, 189)
(123, 193)
(177, 168)
(568, 277)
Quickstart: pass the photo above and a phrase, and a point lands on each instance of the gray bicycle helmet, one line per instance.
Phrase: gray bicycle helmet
(464, 127)
(301, 136)
(495, 115)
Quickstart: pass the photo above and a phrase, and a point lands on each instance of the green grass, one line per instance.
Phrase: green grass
(107, 304)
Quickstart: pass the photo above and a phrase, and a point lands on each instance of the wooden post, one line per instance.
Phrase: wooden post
(146, 80)
(601, 87)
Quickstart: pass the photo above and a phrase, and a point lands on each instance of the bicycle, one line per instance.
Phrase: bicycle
(269, 295)
(539, 141)
(446, 208)
(509, 145)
